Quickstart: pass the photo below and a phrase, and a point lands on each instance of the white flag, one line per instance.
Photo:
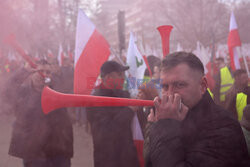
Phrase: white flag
(136, 65)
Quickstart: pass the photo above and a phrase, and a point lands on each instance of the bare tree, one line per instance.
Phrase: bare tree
(242, 14)
(195, 20)
(40, 25)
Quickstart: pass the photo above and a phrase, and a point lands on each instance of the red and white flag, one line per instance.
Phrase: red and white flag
(138, 139)
(60, 56)
(50, 54)
(233, 42)
(91, 51)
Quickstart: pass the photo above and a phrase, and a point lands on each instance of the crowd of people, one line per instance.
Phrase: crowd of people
(191, 124)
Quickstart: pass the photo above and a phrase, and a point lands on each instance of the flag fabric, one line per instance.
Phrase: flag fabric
(233, 42)
(91, 51)
(136, 65)
(136, 70)
(50, 55)
(204, 55)
(179, 48)
(60, 56)
(138, 139)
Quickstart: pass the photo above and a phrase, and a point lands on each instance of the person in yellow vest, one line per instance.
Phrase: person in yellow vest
(236, 98)
(223, 82)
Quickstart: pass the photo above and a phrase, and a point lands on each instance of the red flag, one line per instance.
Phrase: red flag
(165, 35)
(91, 51)
(138, 139)
(232, 42)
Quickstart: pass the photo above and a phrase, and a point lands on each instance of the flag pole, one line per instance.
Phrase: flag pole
(118, 57)
(245, 61)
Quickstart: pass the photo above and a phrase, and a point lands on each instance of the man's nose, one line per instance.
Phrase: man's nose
(169, 91)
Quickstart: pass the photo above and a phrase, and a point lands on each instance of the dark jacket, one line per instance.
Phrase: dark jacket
(36, 135)
(111, 131)
(208, 136)
(30, 129)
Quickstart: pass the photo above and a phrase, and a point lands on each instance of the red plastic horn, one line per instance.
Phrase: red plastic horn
(165, 31)
(11, 40)
(52, 100)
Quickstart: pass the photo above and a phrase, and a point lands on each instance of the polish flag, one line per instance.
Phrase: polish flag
(91, 51)
(50, 55)
(60, 56)
(233, 42)
(138, 139)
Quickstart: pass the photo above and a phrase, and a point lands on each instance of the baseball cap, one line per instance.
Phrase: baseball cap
(112, 66)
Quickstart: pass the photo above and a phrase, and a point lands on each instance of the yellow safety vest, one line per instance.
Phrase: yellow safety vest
(146, 78)
(211, 94)
(241, 102)
(226, 82)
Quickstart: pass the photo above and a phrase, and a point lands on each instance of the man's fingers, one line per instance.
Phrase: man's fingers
(177, 101)
(164, 98)
(151, 116)
(170, 99)
(183, 112)
(157, 102)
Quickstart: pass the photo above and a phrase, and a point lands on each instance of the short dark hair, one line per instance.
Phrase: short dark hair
(176, 58)
(239, 72)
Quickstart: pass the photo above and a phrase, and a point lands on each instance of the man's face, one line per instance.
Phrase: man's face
(114, 80)
(242, 80)
(37, 80)
(188, 83)
(141, 94)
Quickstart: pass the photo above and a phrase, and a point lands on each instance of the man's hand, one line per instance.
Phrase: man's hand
(169, 107)
(151, 116)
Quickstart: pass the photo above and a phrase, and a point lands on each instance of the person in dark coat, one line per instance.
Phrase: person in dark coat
(245, 125)
(111, 126)
(40, 140)
(188, 128)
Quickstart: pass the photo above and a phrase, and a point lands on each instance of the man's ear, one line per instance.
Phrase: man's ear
(204, 84)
